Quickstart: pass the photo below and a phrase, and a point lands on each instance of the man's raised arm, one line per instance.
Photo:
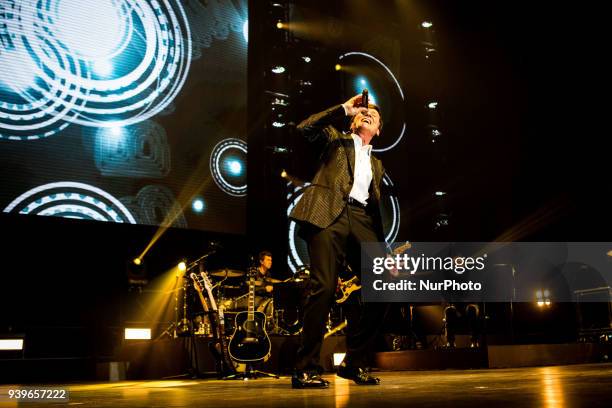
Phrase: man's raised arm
(320, 124)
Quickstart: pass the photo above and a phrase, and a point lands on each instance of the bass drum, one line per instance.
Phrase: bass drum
(267, 308)
(289, 321)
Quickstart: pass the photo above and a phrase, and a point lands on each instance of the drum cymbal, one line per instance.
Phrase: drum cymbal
(227, 273)
(267, 282)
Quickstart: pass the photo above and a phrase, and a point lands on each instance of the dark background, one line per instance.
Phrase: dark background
(521, 110)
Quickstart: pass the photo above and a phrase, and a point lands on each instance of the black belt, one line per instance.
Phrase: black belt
(356, 203)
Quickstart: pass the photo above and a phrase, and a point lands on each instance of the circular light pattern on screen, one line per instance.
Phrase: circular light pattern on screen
(298, 250)
(384, 89)
(198, 205)
(227, 165)
(71, 200)
(390, 211)
(95, 63)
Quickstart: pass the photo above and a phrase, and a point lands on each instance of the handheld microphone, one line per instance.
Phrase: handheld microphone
(364, 99)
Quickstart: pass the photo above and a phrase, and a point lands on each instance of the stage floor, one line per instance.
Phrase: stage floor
(556, 386)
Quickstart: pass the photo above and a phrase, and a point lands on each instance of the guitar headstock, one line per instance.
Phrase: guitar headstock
(252, 274)
(206, 281)
(402, 248)
(196, 282)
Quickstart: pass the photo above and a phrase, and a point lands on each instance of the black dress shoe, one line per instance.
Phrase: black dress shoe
(359, 375)
(303, 379)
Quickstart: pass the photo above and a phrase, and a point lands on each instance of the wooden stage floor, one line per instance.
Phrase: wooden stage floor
(587, 385)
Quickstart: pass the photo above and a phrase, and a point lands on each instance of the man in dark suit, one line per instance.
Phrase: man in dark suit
(340, 206)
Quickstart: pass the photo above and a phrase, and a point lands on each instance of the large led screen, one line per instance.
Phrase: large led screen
(128, 111)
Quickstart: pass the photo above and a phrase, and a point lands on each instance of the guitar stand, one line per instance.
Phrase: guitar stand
(250, 374)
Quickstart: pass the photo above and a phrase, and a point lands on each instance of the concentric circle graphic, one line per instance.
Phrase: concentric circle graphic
(228, 166)
(102, 63)
(71, 200)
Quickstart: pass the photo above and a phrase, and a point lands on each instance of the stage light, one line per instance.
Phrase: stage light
(182, 266)
(283, 174)
(280, 25)
(137, 334)
(245, 31)
(306, 59)
(547, 302)
(137, 261)
(442, 221)
(338, 358)
(338, 67)
(546, 293)
(440, 193)
(279, 102)
(198, 205)
(609, 253)
(279, 69)
(278, 124)
(234, 167)
(432, 105)
(539, 294)
(540, 303)
(11, 344)
(426, 24)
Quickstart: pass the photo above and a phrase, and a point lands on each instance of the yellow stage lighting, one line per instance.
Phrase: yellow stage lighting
(182, 266)
(137, 334)
(338, 67)
(280, 25)
(11, 344)
(137, 261)
(338, 357)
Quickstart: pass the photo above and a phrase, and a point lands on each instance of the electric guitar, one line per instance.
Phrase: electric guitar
(225, 365)
(346, 287)
(250, 342)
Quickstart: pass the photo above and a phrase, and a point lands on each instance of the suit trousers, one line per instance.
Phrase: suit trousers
(327, 249)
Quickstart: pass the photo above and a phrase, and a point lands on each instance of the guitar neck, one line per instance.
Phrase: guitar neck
(203, 301)
(213, 303)
(251, 315)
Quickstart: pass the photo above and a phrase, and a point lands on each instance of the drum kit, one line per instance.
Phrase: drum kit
(280, 302)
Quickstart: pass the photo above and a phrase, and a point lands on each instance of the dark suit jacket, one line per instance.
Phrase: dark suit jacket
(323, 201)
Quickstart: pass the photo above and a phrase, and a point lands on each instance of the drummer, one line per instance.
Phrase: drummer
(264, 281)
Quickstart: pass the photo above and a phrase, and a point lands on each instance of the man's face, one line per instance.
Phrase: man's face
(369, 121)
(267, 262)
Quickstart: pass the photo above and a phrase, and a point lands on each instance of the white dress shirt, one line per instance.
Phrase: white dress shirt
(363, 171)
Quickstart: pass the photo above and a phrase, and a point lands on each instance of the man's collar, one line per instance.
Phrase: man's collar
(359, 143)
